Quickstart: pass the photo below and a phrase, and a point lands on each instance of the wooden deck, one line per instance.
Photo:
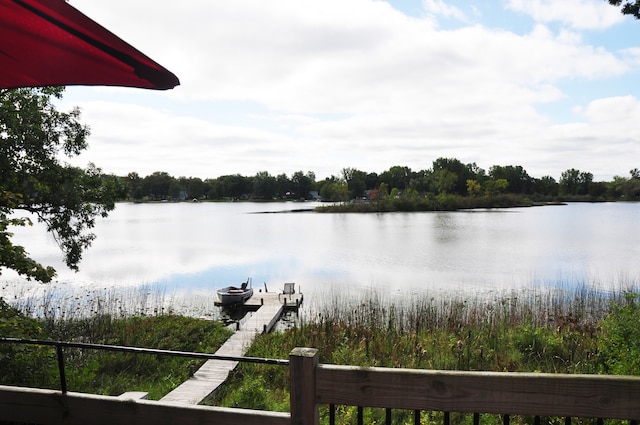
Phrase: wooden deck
(206, 380)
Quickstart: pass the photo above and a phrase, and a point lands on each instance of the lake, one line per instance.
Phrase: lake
(194, 248)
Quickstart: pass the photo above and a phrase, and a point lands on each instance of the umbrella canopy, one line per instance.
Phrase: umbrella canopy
(50, 43)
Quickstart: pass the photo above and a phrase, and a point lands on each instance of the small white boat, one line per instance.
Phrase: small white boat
(231, 295)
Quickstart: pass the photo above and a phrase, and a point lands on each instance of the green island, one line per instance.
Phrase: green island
(581, 330)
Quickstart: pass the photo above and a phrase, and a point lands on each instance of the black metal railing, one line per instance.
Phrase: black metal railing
(446, 418)
(60, 345)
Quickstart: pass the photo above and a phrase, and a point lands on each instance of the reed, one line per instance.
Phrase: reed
(545, 330)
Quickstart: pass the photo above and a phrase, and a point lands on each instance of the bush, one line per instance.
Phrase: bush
(620, 338)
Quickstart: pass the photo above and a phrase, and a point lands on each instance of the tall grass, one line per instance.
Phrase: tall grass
(72, 302)
(573, 329)
(542, 330)
(102, 320)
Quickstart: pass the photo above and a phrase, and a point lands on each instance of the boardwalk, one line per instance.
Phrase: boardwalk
(213, 373)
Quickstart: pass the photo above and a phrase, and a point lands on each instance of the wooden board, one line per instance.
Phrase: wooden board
(206, 380)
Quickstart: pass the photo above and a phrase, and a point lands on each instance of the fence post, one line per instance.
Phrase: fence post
(302, 386)
(63, 376)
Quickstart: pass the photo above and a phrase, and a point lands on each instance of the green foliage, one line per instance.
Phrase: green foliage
(628, 8)
(14, 324)
(496, 187)
(110, 373)
(410, 200)
(620, 341)
(447, 176)
(554, 333)
(473, 187)
(335, 192)
(23, 363)
(33, 135)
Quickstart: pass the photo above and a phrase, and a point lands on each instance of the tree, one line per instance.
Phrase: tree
(156, 185)
(235, 186)
(264, 185)
(396, 177)
(546, 186)
(473, 187)
(195, 187)
(303, 184)
(283, 185)
(445, 181)
(34, 184)
(518, 179)
(356, 181)
(135, 185)
(450, 175)
(334, 192)
(496, 187)
(629, 7)
(575, 182)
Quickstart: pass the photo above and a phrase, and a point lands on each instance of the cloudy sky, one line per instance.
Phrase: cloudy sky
(320, 85)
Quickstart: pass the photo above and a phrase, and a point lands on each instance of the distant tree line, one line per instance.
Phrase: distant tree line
(447, 176)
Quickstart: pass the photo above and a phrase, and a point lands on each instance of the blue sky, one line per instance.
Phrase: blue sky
(320, 85)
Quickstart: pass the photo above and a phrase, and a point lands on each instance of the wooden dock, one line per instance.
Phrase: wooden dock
(205, 381)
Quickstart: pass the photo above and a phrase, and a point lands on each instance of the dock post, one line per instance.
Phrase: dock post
(302, 386)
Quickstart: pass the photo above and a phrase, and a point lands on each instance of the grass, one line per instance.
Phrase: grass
(102, 372)
(581, 330)
(575, 330)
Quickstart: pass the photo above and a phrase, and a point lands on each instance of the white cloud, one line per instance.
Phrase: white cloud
(615, 110)
(440, 8)
(578, 14)
(341, 83)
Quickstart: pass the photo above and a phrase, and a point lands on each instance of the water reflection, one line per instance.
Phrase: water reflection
(194, 248)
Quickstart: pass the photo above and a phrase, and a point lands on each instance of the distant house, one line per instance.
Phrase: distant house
(314, 195)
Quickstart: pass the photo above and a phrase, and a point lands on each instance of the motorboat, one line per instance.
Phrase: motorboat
(231, 295)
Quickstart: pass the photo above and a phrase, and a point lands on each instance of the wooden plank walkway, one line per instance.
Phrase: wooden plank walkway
(206, 380)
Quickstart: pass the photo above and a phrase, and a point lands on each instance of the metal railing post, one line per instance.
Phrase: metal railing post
(63, 377)
(302, 386)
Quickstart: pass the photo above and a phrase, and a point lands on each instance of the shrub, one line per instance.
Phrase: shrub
(620, 339)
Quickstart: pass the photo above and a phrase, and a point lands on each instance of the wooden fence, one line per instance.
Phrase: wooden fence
(313, 384)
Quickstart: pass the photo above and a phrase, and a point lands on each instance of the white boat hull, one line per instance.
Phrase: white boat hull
(232, 295)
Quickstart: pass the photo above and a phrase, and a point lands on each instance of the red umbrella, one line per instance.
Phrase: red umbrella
(50, 43)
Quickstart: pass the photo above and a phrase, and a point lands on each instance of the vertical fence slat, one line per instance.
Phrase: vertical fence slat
(360, 415)
(387, 416)
(302, 386)
(332, 414)
(476, 419)
(416, 417)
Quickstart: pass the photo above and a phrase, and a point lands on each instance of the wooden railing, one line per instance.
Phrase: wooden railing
(534, 394)
(313, 385)
(37, 406)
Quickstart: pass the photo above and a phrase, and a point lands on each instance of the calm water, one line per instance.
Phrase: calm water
(197, 247)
